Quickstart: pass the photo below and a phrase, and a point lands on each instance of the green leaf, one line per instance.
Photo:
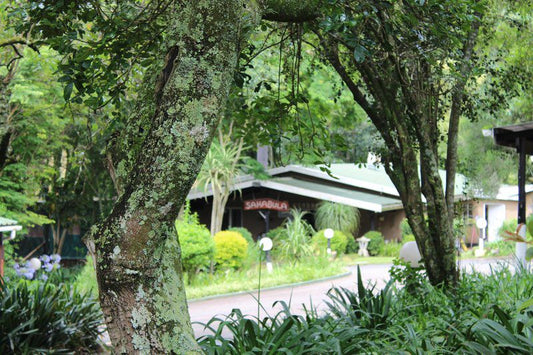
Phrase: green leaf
(67, 91)
(360, 53)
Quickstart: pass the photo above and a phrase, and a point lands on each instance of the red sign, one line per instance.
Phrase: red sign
(266, 204)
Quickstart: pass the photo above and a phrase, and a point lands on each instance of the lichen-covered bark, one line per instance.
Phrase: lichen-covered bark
(137, 250)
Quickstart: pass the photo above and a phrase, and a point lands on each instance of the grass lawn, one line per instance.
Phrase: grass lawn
(247, 280)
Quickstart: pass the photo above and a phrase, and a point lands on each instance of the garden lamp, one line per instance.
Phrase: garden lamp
(265, 244)
(328, 233)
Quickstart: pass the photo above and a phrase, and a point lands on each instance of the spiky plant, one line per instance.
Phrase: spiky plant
(338, 217)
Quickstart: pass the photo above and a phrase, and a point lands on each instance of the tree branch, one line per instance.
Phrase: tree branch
(455, 113)
(290, 10)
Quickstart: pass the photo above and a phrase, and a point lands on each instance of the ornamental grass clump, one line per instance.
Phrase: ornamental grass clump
(230, 250)
(293, 242)
(40, 317)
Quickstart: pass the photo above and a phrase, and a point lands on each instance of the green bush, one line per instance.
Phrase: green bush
(338, 242)
(38, 317)
(405, 227)
(500, 247)
(245, 233)
(276, 234)
(391, 249)
(408, 238)
(507, 226)
(482, 314)
(230, 249)
(376, 243)
(197, 246)
(352, 247)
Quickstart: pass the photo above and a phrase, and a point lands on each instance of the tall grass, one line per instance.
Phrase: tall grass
(338, 217)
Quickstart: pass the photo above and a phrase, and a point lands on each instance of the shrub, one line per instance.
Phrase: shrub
(500, 247)
(338, 242)
(230, 249)
(482, 314)
(197, 246)
(405, 227)
(42, 317)
(245, 233)
(352, 247)
(391, 249)
(294, 241)
(508, 226)
(408, 238)
(376, 243)
(338, 217)
(277, 234)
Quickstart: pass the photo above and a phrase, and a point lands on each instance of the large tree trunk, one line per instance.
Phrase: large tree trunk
(137, 251)
(138, 254)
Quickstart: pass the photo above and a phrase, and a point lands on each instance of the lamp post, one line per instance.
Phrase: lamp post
(266, 245)
(481, 223)
(328, 233)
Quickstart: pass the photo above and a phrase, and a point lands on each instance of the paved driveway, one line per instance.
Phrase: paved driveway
(308, 294)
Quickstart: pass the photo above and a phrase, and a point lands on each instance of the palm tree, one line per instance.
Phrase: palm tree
(220, 168)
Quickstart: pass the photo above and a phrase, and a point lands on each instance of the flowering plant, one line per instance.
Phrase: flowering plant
(38, 268)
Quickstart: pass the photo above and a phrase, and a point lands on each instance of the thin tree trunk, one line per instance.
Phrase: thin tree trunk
(61, 241)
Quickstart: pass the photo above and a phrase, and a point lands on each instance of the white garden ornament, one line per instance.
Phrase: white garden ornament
(411, 254)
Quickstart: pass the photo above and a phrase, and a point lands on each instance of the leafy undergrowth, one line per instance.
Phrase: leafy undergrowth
(485, 314)
(40, 317)
(229, 281)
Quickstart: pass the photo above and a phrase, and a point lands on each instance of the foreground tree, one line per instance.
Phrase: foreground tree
(407, 64)
(138, 264)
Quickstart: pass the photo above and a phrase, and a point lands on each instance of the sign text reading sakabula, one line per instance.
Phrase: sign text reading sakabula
(266, 204)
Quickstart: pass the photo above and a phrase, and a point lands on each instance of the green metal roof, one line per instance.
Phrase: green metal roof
(7, 222)
(368, 176)
(359, 199)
